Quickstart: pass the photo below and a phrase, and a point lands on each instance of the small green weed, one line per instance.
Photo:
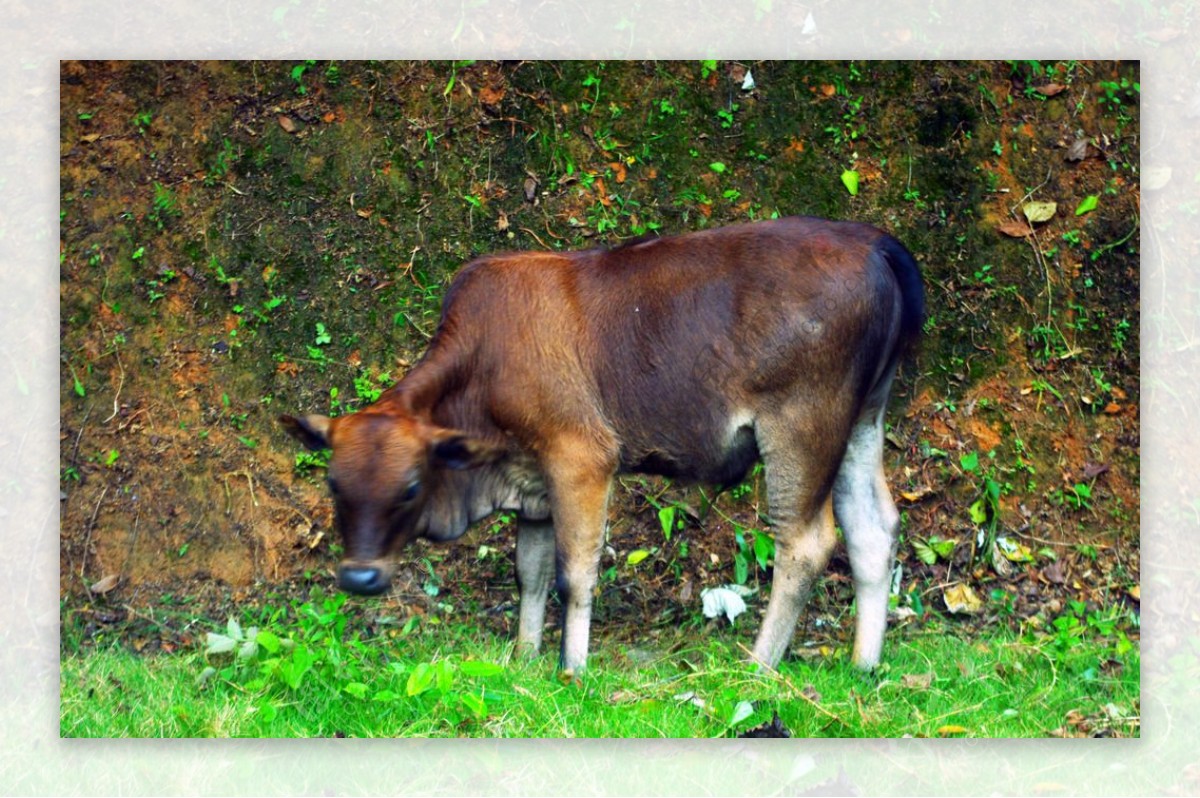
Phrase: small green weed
(163, 207)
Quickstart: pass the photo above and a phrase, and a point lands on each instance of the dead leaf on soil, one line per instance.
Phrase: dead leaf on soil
(1054, 574)
(961, 598)
(1039, 211)
(916, 494)
(1013, 550)
(490, 96)
(288, 124)
(106, 584)
(1078, 150)
(1050, 89)
(1015, 228)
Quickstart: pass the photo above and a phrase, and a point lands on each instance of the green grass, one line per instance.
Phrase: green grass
(313, 675)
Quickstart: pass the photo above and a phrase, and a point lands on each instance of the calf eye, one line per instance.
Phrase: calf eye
(411, 491)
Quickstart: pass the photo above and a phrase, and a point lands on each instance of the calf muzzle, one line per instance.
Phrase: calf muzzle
(362, 580)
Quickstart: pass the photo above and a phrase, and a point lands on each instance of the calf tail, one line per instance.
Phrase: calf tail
(912, 293)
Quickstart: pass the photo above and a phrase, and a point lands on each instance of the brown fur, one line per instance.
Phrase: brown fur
(690, 356)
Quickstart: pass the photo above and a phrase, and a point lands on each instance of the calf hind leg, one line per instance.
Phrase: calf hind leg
(802, 551)
(868, 517)
(799, 470)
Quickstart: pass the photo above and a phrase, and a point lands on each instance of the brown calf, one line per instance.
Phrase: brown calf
(690, 357)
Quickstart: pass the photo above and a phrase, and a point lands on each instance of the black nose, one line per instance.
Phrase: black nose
(363, 581)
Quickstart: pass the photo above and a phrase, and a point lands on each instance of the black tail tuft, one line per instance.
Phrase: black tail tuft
(912, 291)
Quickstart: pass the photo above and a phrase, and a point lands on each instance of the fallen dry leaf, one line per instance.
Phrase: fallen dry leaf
(1050, 89)
(490, 96)
(288, 124)
(1039, 211)
(1054, 573)
(916, 494)
(106, 584)
(1015, 228)
(950, 729)
(1078, 150)
(961, 598)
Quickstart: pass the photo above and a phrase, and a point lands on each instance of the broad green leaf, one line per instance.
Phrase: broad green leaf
(943, 548)
(1089, 204)
(479, 668)
(717, 167)
(979, 511)
(764, 549)
(741, 711)
(475, 704)
(268, 711)
(268, 640)
(420, 680)
(385, 695)
(666, 519)
(741, 568)
(924, 553)
(969, 461)
(445, 676)
(636, 556)
(356, 689)
(850, 181)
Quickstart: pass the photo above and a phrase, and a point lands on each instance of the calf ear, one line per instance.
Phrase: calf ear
(312, 431)
(459, 452)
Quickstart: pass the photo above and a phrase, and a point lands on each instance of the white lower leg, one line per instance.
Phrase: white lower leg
(801, 555)
(535, 574)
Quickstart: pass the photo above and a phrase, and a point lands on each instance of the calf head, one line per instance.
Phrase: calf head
(380, 475)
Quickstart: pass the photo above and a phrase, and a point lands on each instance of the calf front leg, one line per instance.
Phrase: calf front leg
(579, 482)
(535, 574)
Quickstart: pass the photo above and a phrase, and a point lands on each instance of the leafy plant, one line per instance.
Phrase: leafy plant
(297, 74)
(164, 206)
(142, 121)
